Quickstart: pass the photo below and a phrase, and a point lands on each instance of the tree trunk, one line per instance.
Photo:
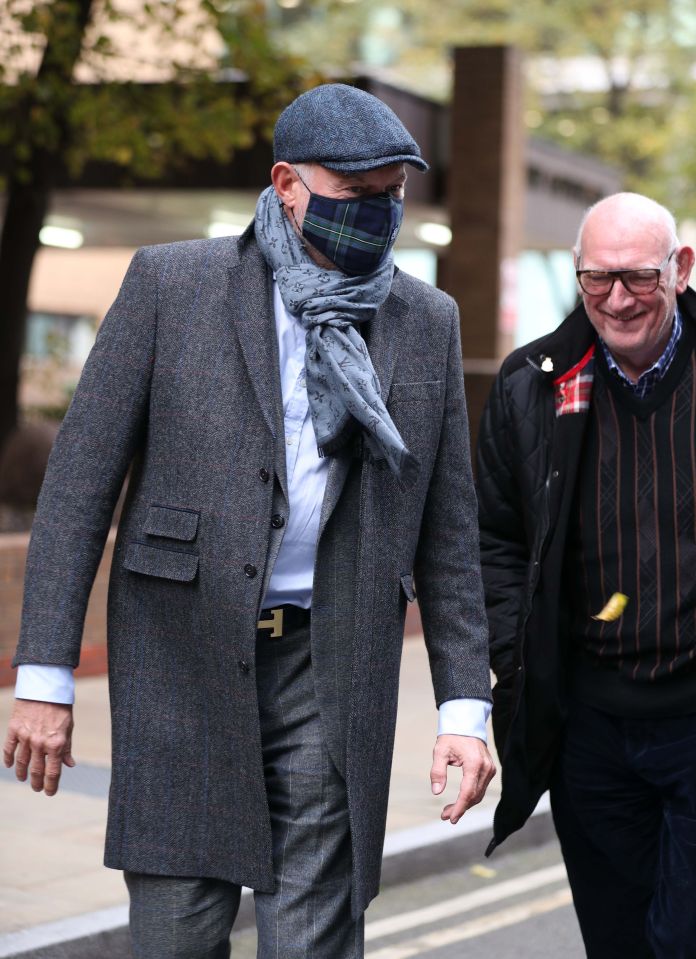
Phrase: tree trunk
(28, 196)
(24, 216)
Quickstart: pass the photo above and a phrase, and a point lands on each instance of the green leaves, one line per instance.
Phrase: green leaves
(614, 80)
(62, 96)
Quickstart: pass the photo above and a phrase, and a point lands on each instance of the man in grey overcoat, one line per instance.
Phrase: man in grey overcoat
(291, 409)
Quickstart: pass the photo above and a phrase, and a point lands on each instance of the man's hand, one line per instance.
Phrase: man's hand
(477, 771)
(41, 736)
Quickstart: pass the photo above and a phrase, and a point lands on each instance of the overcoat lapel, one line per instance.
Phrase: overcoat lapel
(251, 305)
(382, 336)
(383, 339)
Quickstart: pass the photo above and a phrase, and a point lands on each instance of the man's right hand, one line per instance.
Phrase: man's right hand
(39, 740)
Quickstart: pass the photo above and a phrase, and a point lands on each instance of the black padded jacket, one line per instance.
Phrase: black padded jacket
(527, 463)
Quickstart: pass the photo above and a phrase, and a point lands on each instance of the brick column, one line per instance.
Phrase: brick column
(486, 203)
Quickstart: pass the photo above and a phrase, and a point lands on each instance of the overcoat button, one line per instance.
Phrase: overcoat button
(555, 474)
(277, 521)
(250, 570)
(264, 475)
(243, 665)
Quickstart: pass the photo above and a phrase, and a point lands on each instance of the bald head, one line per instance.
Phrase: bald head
(628, 215)
(623, 240)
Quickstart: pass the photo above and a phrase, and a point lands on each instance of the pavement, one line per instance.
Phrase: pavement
(54, 888)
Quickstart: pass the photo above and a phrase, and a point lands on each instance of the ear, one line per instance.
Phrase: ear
(286, 183)
(685, 263)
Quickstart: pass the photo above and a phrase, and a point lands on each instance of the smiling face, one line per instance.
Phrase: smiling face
(625, 234)
(287, 181)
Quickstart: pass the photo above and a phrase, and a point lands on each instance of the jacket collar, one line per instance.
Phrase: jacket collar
(555, 354)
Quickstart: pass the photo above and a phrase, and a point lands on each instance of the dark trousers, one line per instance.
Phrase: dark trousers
(309, 913)
(624, 804)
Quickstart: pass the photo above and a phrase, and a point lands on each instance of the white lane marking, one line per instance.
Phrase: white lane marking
(397, 843)
(476, 927)
(465, 902)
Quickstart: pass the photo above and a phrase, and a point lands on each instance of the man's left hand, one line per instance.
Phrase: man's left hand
(477, 771)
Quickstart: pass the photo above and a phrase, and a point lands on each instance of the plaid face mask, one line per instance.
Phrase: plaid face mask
(357, 235)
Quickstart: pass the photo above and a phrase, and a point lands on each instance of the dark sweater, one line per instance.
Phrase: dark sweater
(634, 532)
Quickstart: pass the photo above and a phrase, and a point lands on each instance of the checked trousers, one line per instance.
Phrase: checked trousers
(308, 916)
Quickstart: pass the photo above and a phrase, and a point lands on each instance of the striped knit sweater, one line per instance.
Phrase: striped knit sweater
(634, 532)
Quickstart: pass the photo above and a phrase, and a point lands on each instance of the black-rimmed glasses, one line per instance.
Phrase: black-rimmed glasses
(638, 282)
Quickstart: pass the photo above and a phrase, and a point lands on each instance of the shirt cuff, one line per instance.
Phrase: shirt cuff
(47, 684)
(464, 717)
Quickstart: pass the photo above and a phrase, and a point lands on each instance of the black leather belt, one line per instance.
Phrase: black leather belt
(282, 620)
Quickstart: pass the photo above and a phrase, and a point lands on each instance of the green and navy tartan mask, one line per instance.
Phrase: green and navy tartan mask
(357, 235)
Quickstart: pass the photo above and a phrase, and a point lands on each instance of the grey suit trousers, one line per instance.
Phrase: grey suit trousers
(309, 913)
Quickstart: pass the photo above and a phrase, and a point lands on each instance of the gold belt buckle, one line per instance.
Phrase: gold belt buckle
(275, 623)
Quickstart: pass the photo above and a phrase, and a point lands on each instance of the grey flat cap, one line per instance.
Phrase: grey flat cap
(344, 129)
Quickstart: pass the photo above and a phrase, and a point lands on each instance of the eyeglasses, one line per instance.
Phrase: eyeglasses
(600, 282)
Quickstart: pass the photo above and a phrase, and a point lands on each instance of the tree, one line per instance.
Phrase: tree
(632, 103)
(64, 103)
(609, 79)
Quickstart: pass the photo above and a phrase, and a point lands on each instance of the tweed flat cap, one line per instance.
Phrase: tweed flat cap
(344, 129)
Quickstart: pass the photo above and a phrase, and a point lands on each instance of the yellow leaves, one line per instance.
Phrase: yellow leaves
(613, 609)
(483, 872)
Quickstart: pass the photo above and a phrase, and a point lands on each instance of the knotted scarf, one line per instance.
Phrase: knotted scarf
(342, 386)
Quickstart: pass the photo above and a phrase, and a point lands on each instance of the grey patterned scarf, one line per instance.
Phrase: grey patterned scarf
(342, 385)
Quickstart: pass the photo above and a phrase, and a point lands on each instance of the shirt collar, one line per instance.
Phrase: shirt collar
(649, 379)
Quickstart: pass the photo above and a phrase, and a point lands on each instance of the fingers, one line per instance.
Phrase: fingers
(37, 768)
(477, 771)
(51, 776)
(438, 771)
(467, 797)
(47, 764)
(8, 750)
(471, 792)
(22, 759)
(39, 743)
(475, 780)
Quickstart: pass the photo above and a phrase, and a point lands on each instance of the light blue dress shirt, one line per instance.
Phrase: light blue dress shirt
(293, 572)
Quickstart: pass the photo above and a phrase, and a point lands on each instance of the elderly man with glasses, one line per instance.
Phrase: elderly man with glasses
(587, 479)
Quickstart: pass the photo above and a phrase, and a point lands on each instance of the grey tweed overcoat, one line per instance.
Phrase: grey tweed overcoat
(182, 386)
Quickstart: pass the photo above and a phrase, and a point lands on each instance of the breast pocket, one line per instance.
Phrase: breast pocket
(427, 391)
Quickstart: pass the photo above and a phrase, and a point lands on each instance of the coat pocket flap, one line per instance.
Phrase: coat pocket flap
(407, 586)
(173, 522)
(155, 561)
